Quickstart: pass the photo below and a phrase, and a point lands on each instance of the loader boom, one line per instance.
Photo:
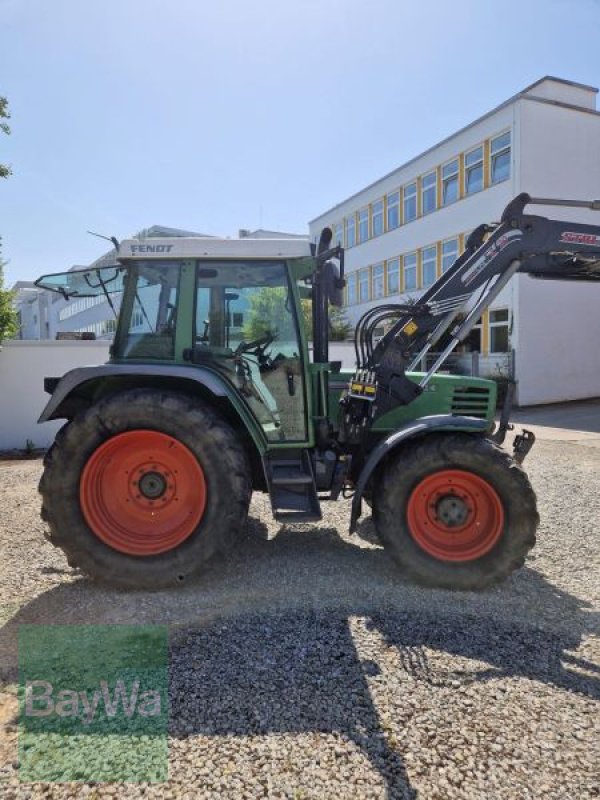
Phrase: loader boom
(519, 243)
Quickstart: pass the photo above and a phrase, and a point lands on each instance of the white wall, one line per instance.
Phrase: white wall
(558, 330)
(559, 352)
(23, 367)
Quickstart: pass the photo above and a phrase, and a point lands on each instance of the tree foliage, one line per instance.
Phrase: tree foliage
(339, 326)
(9, 323)
(8, 316)
(268, 312)
(5, 171)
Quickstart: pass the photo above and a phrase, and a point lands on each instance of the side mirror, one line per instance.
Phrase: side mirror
(334, 284)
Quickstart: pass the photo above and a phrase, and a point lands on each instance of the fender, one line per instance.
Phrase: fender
(216, 384)
(437, 422)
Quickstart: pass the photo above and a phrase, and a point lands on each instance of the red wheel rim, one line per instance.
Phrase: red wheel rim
(455, 515)
(142, 492)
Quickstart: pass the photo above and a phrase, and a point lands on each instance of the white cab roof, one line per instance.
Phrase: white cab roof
(196, 247)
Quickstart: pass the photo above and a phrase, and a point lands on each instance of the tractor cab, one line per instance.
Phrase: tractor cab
(228, 306)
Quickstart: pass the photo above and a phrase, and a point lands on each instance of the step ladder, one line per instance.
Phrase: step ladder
(292, 487)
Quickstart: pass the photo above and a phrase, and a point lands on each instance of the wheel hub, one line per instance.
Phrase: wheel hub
(452, 510)
(152, 485)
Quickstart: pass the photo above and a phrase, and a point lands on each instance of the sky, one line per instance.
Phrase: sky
(215, 116)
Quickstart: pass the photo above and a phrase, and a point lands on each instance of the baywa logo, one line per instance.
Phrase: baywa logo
(41, 701)
(93, 703)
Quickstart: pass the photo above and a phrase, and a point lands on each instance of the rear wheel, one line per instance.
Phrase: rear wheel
(455, 510)
(144, 487)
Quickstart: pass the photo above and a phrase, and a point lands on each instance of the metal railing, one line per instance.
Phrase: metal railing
(495, 365)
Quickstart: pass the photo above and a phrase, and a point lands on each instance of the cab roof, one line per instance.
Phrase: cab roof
(199, 247)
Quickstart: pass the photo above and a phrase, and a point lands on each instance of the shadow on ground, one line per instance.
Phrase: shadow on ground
(263, 642)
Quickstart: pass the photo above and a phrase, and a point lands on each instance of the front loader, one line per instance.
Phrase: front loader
(211, 392)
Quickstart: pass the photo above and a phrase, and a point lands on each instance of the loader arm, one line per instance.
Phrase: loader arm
(519, 243)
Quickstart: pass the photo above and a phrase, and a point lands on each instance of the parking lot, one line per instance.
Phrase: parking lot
(306, 665)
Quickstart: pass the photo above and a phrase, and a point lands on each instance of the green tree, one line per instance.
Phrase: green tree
(8, 316)
(267, 312)
(5, 171)
(339, 326)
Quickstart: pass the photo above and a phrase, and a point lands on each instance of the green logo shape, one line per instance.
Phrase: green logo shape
(93, 703)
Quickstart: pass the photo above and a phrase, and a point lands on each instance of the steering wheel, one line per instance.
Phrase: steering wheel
(256, 346)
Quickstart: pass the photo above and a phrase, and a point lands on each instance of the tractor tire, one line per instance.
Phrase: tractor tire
(455, 511)
(144, 487)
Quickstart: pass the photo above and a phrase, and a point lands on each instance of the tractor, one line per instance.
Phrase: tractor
(213, 390)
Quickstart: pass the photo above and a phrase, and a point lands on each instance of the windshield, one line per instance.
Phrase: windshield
(84, 283)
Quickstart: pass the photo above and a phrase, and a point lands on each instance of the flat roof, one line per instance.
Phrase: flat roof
(518, 96)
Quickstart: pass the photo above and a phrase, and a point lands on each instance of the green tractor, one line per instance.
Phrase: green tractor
(212, 392)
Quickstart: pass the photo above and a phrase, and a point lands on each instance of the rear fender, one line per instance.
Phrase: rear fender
(420, 427)
(87, 382)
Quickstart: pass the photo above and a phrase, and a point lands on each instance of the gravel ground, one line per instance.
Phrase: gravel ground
(307, 666)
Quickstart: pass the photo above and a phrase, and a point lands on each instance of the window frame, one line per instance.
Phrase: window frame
(352, 280)
(429, 261)
(388, 292)
(426, 189)
(493, 325)
(414, 266)
(446, 179)
(506, 149)
(361, 272)
(362, 218)
(375, 268)
(390, 206)
(407, 197)
(446, 242)
(338, 226)
(380, 215)
(480, 162)
(350, 224)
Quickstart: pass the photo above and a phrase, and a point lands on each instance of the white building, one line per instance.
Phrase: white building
(402, 231)
(33, 311)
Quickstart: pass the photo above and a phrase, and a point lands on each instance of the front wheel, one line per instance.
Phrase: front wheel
(144, 487)
(455, 511)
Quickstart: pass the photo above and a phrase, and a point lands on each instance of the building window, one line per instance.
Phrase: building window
(363, 225)
(410, 202)
(429, 193)
(500, 155)
(429, 265)
(77, 306)
(450, 182)
(393, 276)
(473, 341)
(378, 288)
(499, 331)
(410, 272)
(351, 289)
(351, 231)
(474, 170)
(449, 253)
(338, 233)
(363, 285)
(393, 210)
(377, 218)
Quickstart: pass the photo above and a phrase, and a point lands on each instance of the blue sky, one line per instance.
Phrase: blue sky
(215, 116)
